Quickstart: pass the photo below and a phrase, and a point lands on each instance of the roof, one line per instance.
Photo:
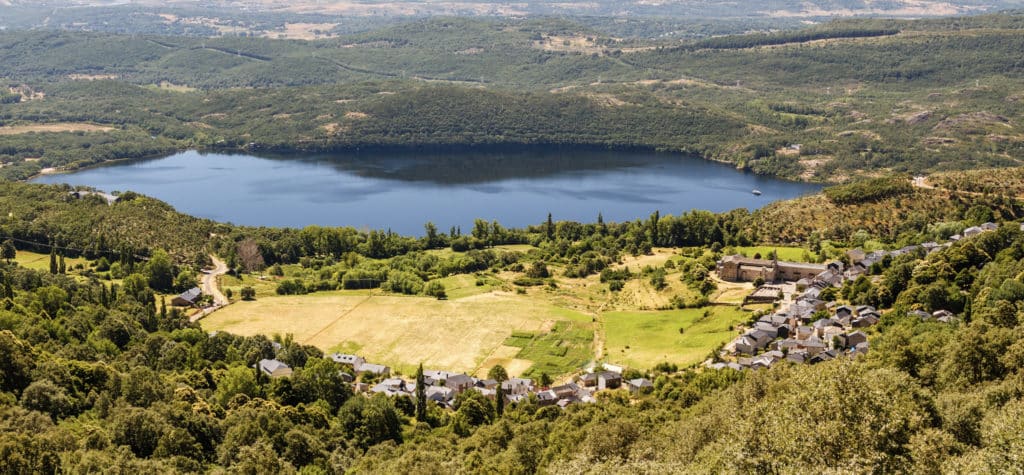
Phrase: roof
(372, 368)
(272, 365)
(641, 383)
(458, 380)
(346, 359)
(191, 295)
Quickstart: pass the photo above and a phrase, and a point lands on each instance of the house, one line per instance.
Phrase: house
(856, 255)
(274, 368)
(989, 226)
(813, 345)
(566, 390)
(844, 311)
(920, 314)
(487, 384)
(856, 338)
(517, 386)
(866, 320)
(435, 377)
(862, 309)
(351, 360)
(589, 380)
(798, 357)
(440, 394)
(972, 231)
(608, 380)
(488, 393)
(547, 398)
(392, 387)
(374, 369)
(640, 386)
(944, 316)
(459, 382)
(822, 357)
(768, 328)
(187, 298)
(744, 344)
(803, 333)
(613, 368)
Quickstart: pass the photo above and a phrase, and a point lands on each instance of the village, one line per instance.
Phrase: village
(806, 328)
(803, 329)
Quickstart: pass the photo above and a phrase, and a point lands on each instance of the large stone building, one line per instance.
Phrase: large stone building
(741, 269)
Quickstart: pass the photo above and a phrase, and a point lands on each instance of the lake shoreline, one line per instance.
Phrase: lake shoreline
(403, 190)
(455, 148)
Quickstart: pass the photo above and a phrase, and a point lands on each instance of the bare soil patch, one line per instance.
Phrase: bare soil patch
(55, 127)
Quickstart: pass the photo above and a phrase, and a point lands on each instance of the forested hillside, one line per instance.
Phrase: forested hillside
(100, 372)
(824, 103)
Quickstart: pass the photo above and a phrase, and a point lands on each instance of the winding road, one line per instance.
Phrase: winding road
(209, 286)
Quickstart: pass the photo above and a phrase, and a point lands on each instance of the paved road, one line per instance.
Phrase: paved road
(210, 287)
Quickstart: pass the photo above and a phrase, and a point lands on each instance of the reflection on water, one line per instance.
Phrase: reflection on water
(402, 191)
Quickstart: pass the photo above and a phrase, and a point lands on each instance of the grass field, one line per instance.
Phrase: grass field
(785, 253)
(644, 339)
(465, 334)
(33, 260)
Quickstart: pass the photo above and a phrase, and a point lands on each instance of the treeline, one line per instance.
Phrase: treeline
(785, 37)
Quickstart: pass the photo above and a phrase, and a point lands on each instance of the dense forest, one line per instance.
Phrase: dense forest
(101, 373)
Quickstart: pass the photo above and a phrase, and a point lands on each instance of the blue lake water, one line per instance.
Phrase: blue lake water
(402, 191)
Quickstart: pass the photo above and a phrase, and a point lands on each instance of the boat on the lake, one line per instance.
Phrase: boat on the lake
(756, 192)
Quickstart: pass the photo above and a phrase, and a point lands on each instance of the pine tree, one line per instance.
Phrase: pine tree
(550, 228)
(62, 268)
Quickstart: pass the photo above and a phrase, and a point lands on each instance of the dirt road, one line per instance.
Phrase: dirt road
(210, 287)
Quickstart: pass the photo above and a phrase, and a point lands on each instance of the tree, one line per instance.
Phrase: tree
(53, 260)
(421, 395)
(9, 252)
(249, 255)
(435, 289)
(248, 293)
(160, 271)
(185, 280)
(52, 298)
(498, 373)
(236, 380)
(46, 397)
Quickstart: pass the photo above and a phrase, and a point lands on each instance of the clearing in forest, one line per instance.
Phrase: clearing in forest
(464, 334)
(56, 127)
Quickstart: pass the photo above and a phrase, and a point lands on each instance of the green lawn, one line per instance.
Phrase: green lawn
(785, 253)
(644, 339)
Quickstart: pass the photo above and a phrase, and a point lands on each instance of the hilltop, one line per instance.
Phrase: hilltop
(825, 103)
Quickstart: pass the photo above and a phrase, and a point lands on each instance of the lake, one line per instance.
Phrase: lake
(402, 191)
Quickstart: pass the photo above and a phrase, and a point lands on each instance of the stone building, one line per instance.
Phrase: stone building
(741, 269)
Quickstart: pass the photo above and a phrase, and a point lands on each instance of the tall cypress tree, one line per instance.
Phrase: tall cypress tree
(421, 395)
(53, 259)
